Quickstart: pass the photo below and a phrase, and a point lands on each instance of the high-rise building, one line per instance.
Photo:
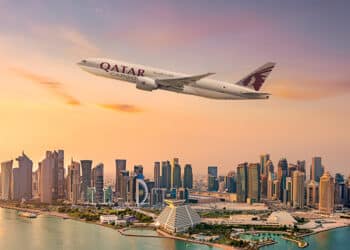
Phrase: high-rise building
(73, 182)
(213, 182)
(269, 167)
(242, 182)
(213, 171)
(298, 189)
(276, 187)
(6, 180)
(316, 169)
(138, 170)
(270, 179)
(120, 165)
(230, 182)
(59, 182)
(166, 175)
(107, 195)
(22, 179)
(326, 196)
(254, 182)
(157, 176)
(282, 173)
(301, 166)
(124, 182)
(263, 162)
(35, 184)
(188, 177)
(291, 169)
(340, 192)
(97, 173)
(263, 185)
(312, 194)
(176, 174)
(47, 176)
(86, 167)
(157, 197)
(288, 192)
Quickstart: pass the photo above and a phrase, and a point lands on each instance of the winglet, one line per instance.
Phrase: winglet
(257, 78)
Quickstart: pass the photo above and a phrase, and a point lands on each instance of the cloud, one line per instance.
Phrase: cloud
(74, 40)
(126, 108)
(312, 90)
(77, 40)
(55, 87)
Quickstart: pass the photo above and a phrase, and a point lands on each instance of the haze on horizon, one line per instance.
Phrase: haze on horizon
(47, 102)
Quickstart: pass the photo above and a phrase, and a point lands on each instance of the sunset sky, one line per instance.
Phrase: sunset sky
(48, 102)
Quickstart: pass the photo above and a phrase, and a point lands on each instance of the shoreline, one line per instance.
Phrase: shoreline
(161, 234)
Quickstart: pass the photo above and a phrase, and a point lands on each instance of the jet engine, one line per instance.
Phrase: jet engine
(146, 83)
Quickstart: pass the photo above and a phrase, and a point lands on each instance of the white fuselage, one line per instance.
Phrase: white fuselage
(133, 72)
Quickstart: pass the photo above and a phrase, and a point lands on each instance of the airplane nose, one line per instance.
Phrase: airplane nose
(81, 63)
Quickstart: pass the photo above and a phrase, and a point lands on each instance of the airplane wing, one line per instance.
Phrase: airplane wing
(179, 82)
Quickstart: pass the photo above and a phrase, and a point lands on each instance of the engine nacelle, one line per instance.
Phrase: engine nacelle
(146, 83)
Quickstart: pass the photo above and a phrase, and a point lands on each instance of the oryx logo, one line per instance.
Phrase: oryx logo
(257, 79)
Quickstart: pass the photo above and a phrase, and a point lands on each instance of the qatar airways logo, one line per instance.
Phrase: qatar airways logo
(121, 69)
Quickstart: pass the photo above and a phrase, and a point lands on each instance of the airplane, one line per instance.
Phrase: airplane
(149, 79)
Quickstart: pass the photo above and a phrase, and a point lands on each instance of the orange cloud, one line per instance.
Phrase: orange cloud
(127, 108)
(54, 86)
(74, 40)
(312, 90)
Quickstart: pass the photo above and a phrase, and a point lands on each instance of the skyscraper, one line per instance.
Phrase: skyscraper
(124, 182)
(157, 177)
(282, 173)
(263, 162)
(22, 179)
(98, 182)
(86, 166)
(73, 182)
(288, 192)
(188, 177)
(176, 174)
(312, 194)
(254, 182)
(46, 179)
(213, 182)
(316, 169)
(326, 196)
(120, 165)
(59, 183)
(298, 189)
(166, 174)
(340, 191)
(230, 182)
(213, 171)
(269, 167)
(138, 170)
(242, 179)
(270, 179)
(6, 180)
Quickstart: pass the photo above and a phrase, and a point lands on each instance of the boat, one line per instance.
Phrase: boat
(28, 215)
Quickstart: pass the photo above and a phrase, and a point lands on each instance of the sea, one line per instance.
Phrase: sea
(47, 232)
(52, 233)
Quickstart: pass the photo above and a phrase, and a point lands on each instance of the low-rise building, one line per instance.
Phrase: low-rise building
(281, 218)
(177, 217)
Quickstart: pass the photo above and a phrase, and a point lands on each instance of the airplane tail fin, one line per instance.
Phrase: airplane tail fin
(257, 78)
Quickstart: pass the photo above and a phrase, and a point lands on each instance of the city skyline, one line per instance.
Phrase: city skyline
(125, 165)
(45, 98)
